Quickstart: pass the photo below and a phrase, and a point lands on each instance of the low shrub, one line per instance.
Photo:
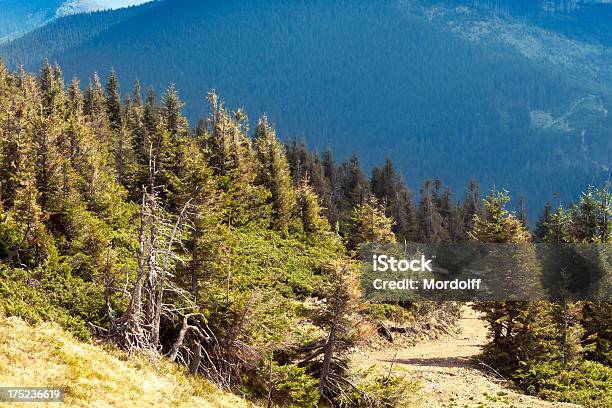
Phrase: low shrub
(586, 383)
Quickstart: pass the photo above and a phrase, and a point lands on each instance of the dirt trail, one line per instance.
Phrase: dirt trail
(447, 374)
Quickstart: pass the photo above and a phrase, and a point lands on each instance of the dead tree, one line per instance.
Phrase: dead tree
(158, 240)
(178, 343)
(169, 256)
(328, 349)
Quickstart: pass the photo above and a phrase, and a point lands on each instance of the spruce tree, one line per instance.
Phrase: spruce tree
(516, 326)
(340, 318)
(95, 100)
(113, 101)
(431, 228)
(471, 204)
(140, 135)
(274, 174)
(310, 211)
(590, 225)
(586, 218)
(233, 158)
(541, 229)
(52, 89)
(498, 225)
(522, 213)
(369, 224)
(175, 122)
(331, 173)
(354, 186)
(384, 182)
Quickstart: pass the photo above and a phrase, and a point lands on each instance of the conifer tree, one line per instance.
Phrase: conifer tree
(234, 160)
(354, 186)
(585, 216)
(20, 196)
(436, 192)
(369, 224)
(331, 173)
(300, 161)
(452, 217)
(391, 190)
(151, 112)
(471, 204)
(113, 101)
(275, 175)
(175, 122)
(516, 327)
(542, 225)
(309, 209)
(52, 89)
(566, 315)
(95, 100)
(404, 212)
(498, 225)
(522, 213)
(137, 94)
(75, 100)
(384, 182)
(140, 138)
(322, 187)
(430, 221)
(342, 324)
(590, 225)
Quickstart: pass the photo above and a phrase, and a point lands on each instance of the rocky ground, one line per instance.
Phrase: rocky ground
(449, 373)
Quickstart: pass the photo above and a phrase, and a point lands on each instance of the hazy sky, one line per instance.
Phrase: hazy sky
(119, 3)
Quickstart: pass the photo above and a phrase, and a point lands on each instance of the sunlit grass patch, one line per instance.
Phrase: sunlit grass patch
(96, 376)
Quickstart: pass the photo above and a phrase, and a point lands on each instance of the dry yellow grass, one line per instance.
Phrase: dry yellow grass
(92, 376)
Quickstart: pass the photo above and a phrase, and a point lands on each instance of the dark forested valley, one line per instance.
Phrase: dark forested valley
(373, 79)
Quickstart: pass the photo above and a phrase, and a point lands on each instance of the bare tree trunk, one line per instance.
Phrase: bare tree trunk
(194, 266)
(153, 232)
(331, 339)
(329, 350)
(194, 366)
(229, 276)
(134, 312)
(178, 343)
(162, 279)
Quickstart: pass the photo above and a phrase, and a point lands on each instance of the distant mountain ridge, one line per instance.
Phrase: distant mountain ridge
(18, 17)
(77, 6)
(417, 80)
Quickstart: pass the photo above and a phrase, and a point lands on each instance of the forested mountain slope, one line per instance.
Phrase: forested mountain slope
(586, 20)
(18, 16)
(65, 33)
(373, 78)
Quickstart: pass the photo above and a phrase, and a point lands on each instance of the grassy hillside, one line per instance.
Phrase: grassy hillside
(96, 376)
